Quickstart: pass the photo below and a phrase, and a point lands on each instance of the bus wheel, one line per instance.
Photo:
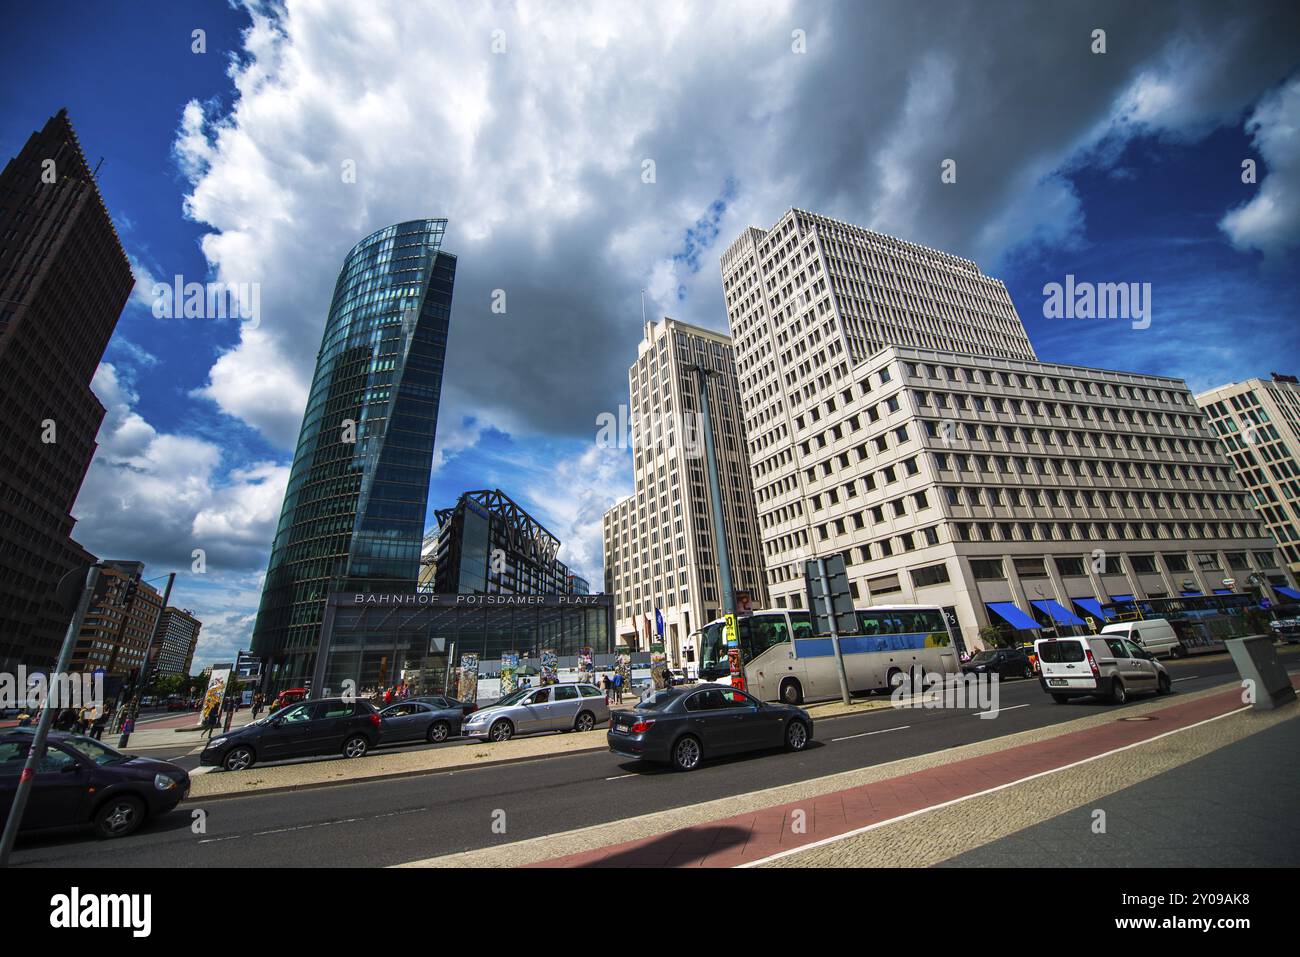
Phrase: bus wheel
(893, 679)
(791, 692)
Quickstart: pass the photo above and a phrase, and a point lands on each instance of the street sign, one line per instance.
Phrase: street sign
(744, 604)
(839, 602)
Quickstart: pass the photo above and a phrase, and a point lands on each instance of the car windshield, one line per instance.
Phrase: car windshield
(96, 751)
(985, 656)
(515, 697)
(657, 700)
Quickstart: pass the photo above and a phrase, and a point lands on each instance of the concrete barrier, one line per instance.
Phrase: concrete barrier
(1256, 661)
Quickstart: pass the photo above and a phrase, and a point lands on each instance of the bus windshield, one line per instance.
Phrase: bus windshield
(713, 651)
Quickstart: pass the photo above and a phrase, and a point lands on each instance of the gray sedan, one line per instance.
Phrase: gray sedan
(567, 707)
(418, 721)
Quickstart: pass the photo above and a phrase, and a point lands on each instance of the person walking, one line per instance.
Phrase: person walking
(618, 687)
(211, 718)
(97, 726)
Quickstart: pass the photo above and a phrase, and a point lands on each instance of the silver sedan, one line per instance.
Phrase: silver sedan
(566, 707)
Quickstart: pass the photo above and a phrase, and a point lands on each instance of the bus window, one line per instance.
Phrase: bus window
(764, 631)
(801, 624)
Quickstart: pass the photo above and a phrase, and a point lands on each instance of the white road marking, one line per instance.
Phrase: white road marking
(867, 733)
(1000, 710)
(993, 790)
(1188, 678)
(620, 777)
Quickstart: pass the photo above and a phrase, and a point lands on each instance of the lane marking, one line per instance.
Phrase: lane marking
(620, 777)
(999, 710)
(1188, 678)
(865, 734)
(993, 790)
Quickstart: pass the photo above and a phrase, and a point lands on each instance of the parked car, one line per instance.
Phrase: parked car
(1155, 635)
(1286, 623)
(683, 726)
(318, 726)
(81, 782)
(289, 696)
(1105, 666)
(1004, 662)
(467, 708)
(418, 720)
(560, 707)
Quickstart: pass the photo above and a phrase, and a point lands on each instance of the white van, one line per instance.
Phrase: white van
(1155, 635)
(1102, 666)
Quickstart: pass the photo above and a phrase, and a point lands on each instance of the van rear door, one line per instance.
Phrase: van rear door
(1064, 664)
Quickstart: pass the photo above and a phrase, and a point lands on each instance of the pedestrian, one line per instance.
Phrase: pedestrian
(618, 687)
(97, 726)
(210, 719)
(127, 727)
(388, 696)
(25, 718)
(66, 720)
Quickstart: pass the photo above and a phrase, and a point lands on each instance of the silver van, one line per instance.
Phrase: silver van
(1104, 666)
(560, 707)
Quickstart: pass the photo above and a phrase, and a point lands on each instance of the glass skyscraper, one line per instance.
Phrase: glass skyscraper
(354, 510)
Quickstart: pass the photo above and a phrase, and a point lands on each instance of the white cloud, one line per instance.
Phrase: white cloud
(1270, 221)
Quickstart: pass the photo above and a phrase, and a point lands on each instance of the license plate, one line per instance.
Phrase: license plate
(622, 727)
(1057, 682)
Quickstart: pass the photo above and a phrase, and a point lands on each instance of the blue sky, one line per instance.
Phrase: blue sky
(1117, 168)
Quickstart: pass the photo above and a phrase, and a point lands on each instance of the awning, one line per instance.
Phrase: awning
(1223, 591)
(1092, 606)
(1012, 615)
(1121, 597)
(1289, 592)
(1191, 594)
(1058, 613)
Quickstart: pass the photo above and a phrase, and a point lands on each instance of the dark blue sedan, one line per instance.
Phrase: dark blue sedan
(683, 726)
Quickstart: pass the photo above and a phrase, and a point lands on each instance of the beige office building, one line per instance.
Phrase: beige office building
(659, 542)
(896, 413)
(1258, 425)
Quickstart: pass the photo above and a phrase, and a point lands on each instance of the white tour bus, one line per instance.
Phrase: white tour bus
(785, 661)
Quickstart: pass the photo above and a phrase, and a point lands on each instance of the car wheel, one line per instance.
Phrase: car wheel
(1162, 685)
(586, 721)
(1061, 698)
(791, 691)
(1178, 651)
(686, 754)
(439, 731)
(238, 758)
(355, 747)
(501, 730)
(796, 735)
(119, 816)
(1118, 695)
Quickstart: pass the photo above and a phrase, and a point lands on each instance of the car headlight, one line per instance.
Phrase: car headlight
(217, 743)
(163, 783)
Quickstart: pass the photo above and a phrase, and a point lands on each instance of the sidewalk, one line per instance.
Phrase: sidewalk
(914, 812)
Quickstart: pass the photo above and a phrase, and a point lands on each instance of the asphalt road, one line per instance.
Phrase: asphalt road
(390, 821)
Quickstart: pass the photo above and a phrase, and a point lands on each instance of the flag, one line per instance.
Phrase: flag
(659, 622)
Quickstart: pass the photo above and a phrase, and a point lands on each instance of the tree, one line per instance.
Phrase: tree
(995, 636)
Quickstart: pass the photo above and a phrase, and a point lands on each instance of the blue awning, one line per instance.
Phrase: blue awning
(1121, 597)
(1289, 592)
(1223, 591)
(1092, 606)
(1012, 615)
(1058, 613)
(1191, 594)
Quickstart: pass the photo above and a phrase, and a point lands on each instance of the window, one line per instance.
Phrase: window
(987, 569)
(1070, 566)
(589, 692)
(930, 575)
(541, 696)
(1143, 563)
(1030, 568)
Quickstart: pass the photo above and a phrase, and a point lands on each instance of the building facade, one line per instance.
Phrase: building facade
(178, 632)
(896, 414)
(120, 622)
(659, 544)
(1258, 425)
(488, 545)
(64, 280)
(358, 489)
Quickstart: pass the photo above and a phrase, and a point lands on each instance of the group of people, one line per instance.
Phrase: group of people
(88, 719)
(613, 686)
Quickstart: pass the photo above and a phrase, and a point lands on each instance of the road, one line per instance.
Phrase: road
(391, 821)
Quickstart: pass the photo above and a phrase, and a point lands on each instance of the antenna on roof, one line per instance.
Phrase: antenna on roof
(643, 307)
(95, 175)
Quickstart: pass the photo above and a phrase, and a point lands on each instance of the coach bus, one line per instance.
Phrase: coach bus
(783, 660)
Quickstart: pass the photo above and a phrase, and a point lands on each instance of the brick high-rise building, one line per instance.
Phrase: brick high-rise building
(64, 280)
(120, 622)
(178, 632)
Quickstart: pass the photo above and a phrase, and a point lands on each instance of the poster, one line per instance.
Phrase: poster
(659, 668)
(624, 667)
(585, 664)
(216, 691)
(509, 670)
(550, 667)
(467, 683)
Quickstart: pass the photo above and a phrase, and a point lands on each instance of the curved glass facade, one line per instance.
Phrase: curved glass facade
(354, 508)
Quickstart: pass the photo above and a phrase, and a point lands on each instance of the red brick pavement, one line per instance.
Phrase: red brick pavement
(753, 835)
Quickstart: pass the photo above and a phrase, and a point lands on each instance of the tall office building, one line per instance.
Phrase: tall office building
(488, 545)
(64, 280)
(353, 515)
(1258, 425)
(120, 622)
(896, 414)
(660, 553)
(178, 632)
